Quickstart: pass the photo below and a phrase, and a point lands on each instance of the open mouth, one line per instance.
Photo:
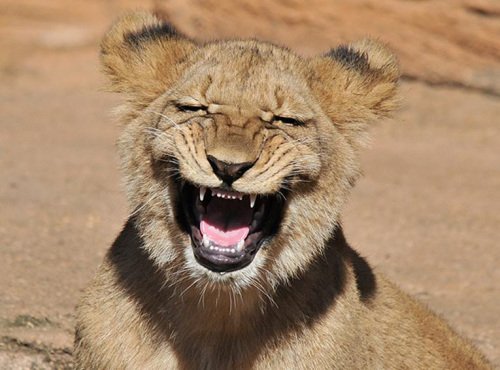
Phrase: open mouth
(228, 228)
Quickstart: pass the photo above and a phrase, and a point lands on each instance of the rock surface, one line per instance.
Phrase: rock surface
(425, 212)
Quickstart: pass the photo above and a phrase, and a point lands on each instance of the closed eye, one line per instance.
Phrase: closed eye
(190, 108)
(288, 120)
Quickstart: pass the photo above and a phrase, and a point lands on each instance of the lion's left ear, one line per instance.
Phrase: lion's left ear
(142, 56)
(356, 84)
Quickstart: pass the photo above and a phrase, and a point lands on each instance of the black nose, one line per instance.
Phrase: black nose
(228, 172)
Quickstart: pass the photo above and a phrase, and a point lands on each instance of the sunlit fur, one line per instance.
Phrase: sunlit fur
(307, 300)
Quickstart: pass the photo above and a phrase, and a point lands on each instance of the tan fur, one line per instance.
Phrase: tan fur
(307, 300)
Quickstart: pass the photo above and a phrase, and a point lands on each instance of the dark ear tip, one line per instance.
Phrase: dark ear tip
(135, 28)
(350, 57)
(152, 32)
(367, 55)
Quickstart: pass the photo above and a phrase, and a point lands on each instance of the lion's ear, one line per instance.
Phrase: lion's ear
(356, 84)
(142, 56)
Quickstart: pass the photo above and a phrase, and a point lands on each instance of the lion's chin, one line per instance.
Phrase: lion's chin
(227, 228)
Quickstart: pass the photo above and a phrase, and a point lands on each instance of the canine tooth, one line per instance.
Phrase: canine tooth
(203, 190)
(254, 224)
(240, 245)
(253, 197)
(212, 247)
(206, 241)
(233, 250)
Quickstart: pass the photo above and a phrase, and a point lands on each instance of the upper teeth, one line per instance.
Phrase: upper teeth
(227, 195)
(202, 192)
(252, 200)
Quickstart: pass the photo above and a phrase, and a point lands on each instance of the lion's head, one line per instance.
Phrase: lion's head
(239, 154)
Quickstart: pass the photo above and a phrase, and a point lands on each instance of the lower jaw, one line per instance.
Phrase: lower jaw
(220, 264)
(224, 259)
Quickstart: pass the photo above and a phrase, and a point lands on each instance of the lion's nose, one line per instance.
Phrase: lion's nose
(228, 172)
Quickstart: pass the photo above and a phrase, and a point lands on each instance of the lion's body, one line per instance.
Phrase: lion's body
(132, 321)
(306, 300)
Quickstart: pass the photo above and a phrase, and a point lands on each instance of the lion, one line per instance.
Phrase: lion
(238, 156)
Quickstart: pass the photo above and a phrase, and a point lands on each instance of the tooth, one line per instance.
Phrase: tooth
(254, 224)
(240, 245)
(202, 193)
(233, 250)
(240, 197)
(206, 241)
(253, 197)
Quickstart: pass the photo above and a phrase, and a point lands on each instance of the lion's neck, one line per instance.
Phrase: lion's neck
(225, 318)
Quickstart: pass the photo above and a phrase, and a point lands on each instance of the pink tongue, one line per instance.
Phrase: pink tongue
(224, 238)
(226, 222)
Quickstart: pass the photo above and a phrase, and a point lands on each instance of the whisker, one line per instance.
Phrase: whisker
(176, 126)
(193, 283)
(137, 210)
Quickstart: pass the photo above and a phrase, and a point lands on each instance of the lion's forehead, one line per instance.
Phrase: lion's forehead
(246, 82)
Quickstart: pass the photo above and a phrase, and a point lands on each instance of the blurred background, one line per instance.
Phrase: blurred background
(426, 212)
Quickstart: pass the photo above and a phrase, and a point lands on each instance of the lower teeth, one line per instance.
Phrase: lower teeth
(208, 244)
(206, 241)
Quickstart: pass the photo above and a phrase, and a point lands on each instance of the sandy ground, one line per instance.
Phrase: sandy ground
(426, 212)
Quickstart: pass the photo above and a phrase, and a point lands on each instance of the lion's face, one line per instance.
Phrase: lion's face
(240, 133)
(239, 154)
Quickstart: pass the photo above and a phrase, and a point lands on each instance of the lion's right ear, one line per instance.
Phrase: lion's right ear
(143, 56)
(355, 85)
